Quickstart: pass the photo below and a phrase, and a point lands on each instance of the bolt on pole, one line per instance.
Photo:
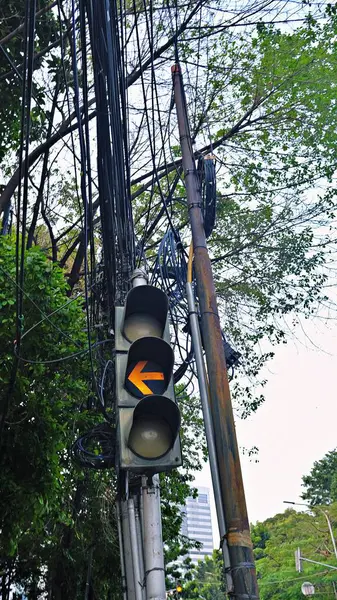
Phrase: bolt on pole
(228, 460)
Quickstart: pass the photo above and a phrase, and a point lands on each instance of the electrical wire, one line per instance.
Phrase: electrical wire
(96, 449)
(61, 358)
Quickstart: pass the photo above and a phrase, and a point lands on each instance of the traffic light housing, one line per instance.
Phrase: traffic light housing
(148, 418)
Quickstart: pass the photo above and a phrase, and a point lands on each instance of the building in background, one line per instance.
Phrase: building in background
(197, 523)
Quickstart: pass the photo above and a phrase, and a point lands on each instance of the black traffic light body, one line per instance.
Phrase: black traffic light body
(148, 416)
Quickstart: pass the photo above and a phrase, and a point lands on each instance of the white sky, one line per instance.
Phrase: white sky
(295, 426)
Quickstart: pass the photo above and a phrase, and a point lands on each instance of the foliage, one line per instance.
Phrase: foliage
(321, 483)
(275, 541)
(52, 513)
(11, 17)
(270, 112)
(205, 580)
(267, 99)
(45, 396)
(269, 244)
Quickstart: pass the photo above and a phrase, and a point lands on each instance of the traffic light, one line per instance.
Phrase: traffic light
(179, 588)
(148, 416)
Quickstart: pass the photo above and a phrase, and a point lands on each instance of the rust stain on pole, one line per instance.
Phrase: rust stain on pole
(233, 497)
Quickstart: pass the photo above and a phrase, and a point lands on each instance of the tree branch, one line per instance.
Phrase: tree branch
(20, 28)
(64, 129)
(43, 173)
(136, 73)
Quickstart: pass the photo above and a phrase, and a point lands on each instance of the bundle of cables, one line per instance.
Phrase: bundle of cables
(171, 266)
(207, 176)
(96, 448)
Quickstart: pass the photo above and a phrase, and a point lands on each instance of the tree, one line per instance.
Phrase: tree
(262, 98)
(259, 108)
(321, 483)
(275, 541)
(12, 42)
(204, 580)
(53, 512)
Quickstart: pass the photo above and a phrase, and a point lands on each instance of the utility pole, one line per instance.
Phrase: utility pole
(153, 540)
(228, 460)
(125, 547)
(205, 404)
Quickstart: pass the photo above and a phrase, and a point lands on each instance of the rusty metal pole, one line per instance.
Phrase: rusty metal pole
(228, 460)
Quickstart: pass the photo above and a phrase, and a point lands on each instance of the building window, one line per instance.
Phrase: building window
(202, 498)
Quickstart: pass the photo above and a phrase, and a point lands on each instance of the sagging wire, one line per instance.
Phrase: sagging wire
(96, 448)
(24, 151)
(151, 137)
(172, 266)
(85, 168)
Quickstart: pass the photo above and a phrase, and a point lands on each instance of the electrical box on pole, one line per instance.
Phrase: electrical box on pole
(148, 418)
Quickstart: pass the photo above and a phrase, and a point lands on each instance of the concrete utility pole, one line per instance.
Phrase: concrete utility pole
(228, 461)
(153, 540)
(129, 592)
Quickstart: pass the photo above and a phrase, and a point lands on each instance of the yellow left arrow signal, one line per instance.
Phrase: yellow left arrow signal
(138, 376)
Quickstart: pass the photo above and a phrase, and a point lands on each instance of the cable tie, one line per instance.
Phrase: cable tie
(194, 205)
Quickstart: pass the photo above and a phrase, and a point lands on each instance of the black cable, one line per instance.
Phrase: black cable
(151, 141)
(29, 30)
(85, 168)
(207, 176)
(115, 202)
(60, 359)
(96, 449)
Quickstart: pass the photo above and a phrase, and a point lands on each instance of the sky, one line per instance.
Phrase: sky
(295, 426)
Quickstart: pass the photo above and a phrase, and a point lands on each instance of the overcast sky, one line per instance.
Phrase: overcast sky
(296, 425)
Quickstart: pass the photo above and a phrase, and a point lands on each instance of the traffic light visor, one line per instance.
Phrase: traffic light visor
(155, 426)
(145, 313)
